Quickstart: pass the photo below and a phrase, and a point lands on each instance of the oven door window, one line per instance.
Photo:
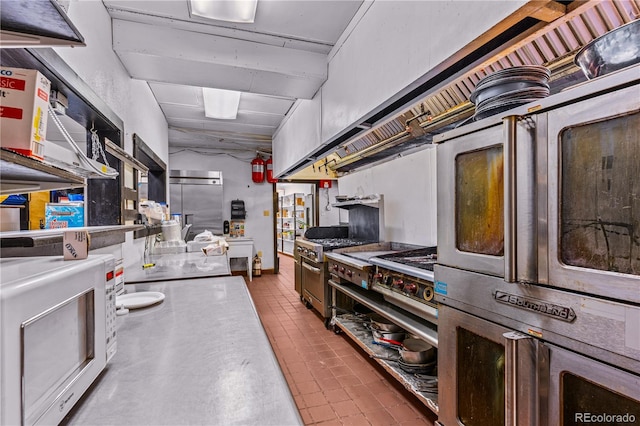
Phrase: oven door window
(480, 201)
(480, 377)
(600, 195)
(582, 398)
(56, 346)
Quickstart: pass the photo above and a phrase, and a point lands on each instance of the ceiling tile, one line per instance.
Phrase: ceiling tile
(177, 94)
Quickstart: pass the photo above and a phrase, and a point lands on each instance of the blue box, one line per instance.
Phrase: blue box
(64, 215)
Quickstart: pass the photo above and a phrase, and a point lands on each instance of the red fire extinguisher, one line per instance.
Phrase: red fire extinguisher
(257, 169)
(270, 177)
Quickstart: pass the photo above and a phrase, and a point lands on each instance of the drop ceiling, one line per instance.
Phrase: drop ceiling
(279, 58)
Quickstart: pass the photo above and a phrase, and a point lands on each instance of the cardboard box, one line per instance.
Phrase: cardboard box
(214, 249)
(75, 245)
(24, 100)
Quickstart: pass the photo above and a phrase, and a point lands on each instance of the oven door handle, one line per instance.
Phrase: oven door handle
(525, 385)
(311, 268)
(510, 213)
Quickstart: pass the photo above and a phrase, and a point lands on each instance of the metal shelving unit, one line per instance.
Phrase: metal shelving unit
(420, 327)
(20, 174)
(292, 221)
(362, 337)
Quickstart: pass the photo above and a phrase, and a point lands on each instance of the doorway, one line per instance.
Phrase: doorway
(297, 211)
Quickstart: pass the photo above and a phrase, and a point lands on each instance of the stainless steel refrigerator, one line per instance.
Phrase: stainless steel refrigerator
(196, 195)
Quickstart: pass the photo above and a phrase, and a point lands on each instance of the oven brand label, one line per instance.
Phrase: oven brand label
(564, 313)
(440, 288)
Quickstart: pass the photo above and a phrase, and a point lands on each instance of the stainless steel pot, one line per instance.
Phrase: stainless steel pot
(617, 49)
(416, 351)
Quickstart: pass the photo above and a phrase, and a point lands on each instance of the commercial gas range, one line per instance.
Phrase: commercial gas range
(366, 226)
(406, 279)
(402, 273)
(351, 264)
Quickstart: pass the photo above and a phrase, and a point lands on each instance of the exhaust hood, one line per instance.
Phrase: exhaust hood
(440, 100)
(36, 23)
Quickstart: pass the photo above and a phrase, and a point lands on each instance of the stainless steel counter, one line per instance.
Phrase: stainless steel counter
(199, 357)
(178, 266)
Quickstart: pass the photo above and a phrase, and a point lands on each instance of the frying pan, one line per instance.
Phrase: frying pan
(416, 351)
(381, 323)
(388, 338)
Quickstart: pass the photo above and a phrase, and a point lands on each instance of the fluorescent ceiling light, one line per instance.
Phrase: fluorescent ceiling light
(221, 104)
(243, 11)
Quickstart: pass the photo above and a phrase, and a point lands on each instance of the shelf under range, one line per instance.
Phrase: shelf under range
(362, 337)
(420, 327)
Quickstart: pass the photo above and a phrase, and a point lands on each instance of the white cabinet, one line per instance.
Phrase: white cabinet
(242, 248)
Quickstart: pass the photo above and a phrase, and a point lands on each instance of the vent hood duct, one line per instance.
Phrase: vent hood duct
(439, 101)
(36, 23)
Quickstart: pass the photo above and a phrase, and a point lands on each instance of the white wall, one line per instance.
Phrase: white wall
(328, 215)
(130, 99)
(237, 184)
(408, 184)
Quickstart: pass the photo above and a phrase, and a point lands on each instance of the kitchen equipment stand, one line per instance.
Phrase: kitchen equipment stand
(356, 331)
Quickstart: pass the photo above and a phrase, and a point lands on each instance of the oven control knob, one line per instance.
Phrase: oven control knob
(300, 249)
(377, 277)
(335, 267)
(341, 270)
(349, 273)
(398, 283)
(427, 294)
(386, 280)
(410, 288)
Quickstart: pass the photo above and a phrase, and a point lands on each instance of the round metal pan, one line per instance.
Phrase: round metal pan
(613, 51)
(509, 88)
(388, 339)
(426, 368)
(416, 351)
(381, 323)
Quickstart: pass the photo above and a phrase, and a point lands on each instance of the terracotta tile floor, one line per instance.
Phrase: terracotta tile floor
(332, 380)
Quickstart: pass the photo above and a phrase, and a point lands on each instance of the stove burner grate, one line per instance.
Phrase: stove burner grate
(423, 258)
(336, 243)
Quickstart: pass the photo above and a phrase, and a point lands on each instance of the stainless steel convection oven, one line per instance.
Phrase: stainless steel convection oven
(538, 274)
